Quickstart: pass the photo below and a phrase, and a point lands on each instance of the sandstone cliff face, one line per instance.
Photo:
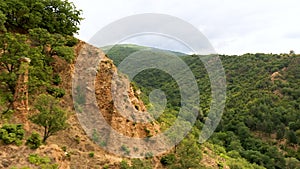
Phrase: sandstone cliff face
(20, 103)
(111, 106)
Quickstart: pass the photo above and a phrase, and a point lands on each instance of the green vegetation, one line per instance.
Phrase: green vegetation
(136, 164)
(42, 162)
(260, 126)
(12, 133)
(168, 159)
(38, 30)
(91, 154)
(125, 149)
(51, 116)
(21, 38)
(20, 168)
(37, 160)
(56, 16)
(124, 165)
(34, 141)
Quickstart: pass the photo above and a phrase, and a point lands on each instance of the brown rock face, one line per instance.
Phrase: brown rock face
(110, 103)
(20, 103)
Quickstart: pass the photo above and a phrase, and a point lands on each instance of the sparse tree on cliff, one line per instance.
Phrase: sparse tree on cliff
(51, 116)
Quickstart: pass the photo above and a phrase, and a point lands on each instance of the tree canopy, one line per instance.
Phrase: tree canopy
(56, 16)
(51, 116)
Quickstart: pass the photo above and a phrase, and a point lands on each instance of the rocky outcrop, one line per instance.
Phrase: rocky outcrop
(20, 104)
(110, 103)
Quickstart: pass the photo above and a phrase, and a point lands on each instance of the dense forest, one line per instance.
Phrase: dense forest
(261, 119)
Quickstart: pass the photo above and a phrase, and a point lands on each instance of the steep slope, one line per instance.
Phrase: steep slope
(70, 148)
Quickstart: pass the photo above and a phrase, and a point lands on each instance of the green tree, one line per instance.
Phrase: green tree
(2, 21)
(189, 153)
(12, 48)
(291, 137)
(51, 116)
(56, 16)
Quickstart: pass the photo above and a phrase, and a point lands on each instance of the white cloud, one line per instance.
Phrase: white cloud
(232, 26)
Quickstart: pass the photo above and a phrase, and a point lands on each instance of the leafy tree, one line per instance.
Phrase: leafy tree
(280, 132)
(51, 116)
(39, 46)
(189, 153)
(291, 137)
(2, 21)
(12, 47)
(56, 16)
(292, 163)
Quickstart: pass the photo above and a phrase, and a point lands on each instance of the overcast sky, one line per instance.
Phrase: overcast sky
(232, 26)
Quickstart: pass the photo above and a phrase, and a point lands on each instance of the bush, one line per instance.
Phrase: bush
(67, 53)
(71, 41)
(168, 159)
(125, 149)
(91, 154)
(64, 148)
(56, 92)
(34, 141)
(12, 133)
(56, 79)
(37, 160)
(149, 155)
(49, 166)
(124, 165)
(141, 164)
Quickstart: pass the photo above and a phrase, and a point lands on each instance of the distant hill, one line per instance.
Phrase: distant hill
(118, 52)
(261, 122)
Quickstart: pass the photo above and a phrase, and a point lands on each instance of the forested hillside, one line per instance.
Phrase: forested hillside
(261, 122)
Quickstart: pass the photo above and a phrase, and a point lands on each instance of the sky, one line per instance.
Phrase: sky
(231, 26)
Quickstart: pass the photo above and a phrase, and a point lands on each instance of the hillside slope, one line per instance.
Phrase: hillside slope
(261, 118)
(70, 148)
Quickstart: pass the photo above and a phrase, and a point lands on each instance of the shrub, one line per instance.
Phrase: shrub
(12, 133)
(124, 165)
(64, 148)
(64, 52)
(56, 79)
(49, 166)
(167, 159)
(144, 164)
(148, 155)
(125, 149)
(95, 136)
(34, 141)
(91, 154)
(135, 149)
(37, 160)
(77, 139)
(56, 92)
(71, 41)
